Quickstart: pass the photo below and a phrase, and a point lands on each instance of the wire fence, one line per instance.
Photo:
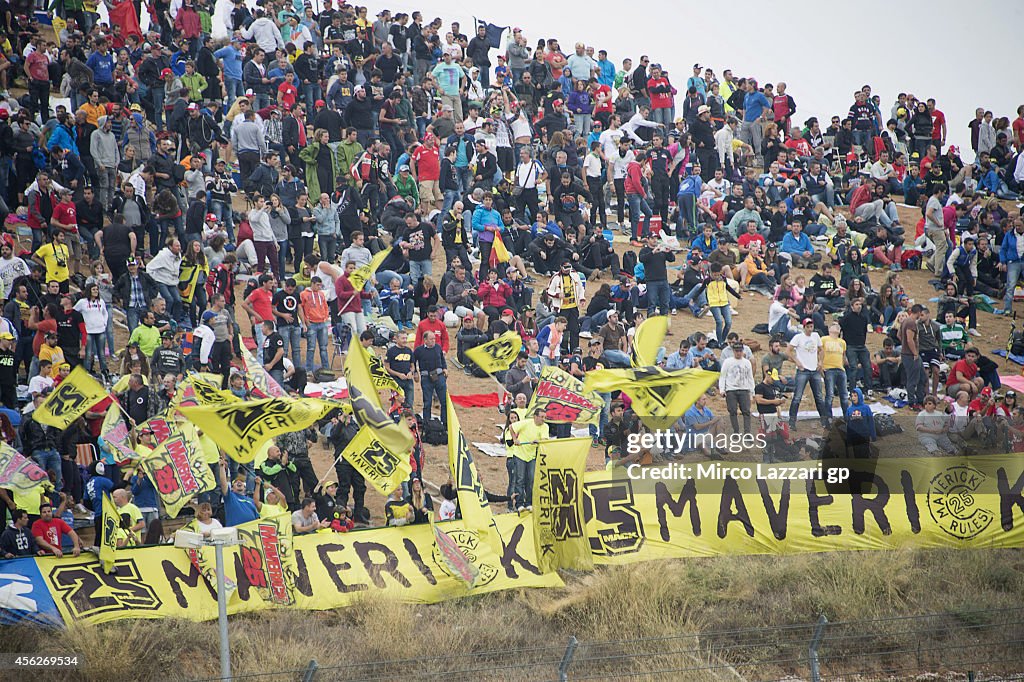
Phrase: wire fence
(973, 646)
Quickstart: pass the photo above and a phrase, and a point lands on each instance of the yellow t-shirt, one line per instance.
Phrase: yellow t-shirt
(29, 501)
(568, 292)
(56, 261)
(529, 433)
(134, 515)
(835, 351)
(54, 354)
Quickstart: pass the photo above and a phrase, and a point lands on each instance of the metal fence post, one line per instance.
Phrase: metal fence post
(310, 673)
(812, 650)
(563, 667)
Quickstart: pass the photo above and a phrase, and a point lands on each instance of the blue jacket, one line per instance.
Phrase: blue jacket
(61, 137)
(1008, 250)
(482, 218)
(791, 244)
(606, 72)
(859, 419)
(143, 492)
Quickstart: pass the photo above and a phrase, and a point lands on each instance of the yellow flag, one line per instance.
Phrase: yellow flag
(177, 469)
(197, 389)
(18, 472)
(360, 275)
(366, 405)
(459, 565)
(564, 399)
(380, 376)
(497, 355)
(648, 339)
(476, 513)
(659, 397)
(261, 384)
(385, 470)
(109, 531)
(268, 558)
(241, 428)
(70, 400)
(115, 433)
(560, 532)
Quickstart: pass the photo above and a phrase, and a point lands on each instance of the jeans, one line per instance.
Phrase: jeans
(835, 382)
(862, 138)
(134, 315)
(157, 95)
(49, 460)
(259, 336)
(659, 295)
(408, 387)
(292, 336)
(419, 268)
(223, 212)
(94, 345)
(637, 206)
(312, 92)
(522, 486)
(859, 358)
(914, 372)
(723, 322)
(328, 246)
(1013, 272)
(431, 386)
(400, 311)
(618, 357)
(803, 377)
(173, 298)
(233, 88)
(316, 334)
(356, 322)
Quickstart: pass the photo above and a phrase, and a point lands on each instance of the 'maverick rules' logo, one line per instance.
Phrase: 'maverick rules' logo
(953, 502)
(469, 542)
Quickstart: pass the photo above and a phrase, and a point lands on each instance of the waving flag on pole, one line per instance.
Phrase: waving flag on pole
(493, 32)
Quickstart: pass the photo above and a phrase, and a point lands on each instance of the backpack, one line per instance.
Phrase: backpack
(1016, 343)
(434, 432)
(761, 328)
(885, 425)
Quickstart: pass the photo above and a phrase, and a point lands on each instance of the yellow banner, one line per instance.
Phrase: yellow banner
(70, 400)
(18, 472)
(108, 533)
(641, 513)
(177, 469)
(267, 557)
(497, 355)
(380, 467)
(240, 429)
(334, 571)
(366, 405)
(647, 339)
(476, 512)
(559, 528)
(198, 389)
(360, 275)
(659, 397)
(564, 399)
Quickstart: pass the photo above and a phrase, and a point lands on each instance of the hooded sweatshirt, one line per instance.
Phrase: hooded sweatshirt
(860, 422)
(103, 145)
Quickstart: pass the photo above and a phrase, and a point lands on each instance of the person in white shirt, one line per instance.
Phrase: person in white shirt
(736, 382)
(164, 269)
(723, 143)
(639, 120)
(11, 268)
(95, 314)
(806, 352)
(206, 522)
(265, 32)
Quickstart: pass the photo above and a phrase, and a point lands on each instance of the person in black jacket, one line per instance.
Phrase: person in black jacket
(123, 288)
(206, 64)
(478, 50)
(546, 252)
(42, 443)
(343, 429)
(702, 133)
(454, 239)
(565, 198)
(486, 167)
(654, 256)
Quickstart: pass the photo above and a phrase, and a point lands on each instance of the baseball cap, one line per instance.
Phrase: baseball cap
(556, 103)
(773, 374)
(165, 73)
(506, 311)
(167, 335)
(468, 317)
(7, 336)
(703, 109)
(211, 217)
(135, 108)
(208, 315)
(193, 106)
(807, 321)
(319, 103)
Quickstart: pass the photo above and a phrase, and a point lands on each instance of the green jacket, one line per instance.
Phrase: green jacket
(405, 112)
(407, 188)
(195, 83)
(348, 152)
(309, 154)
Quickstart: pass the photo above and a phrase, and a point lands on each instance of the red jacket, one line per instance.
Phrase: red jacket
(188, 22)
(440, 332)
(496, 295)
(634, 180)
(349, 300)
(861, 195)
(660, 91)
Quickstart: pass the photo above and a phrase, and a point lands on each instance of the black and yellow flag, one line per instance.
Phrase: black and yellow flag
(361, 274)
(380, 376)
(177, 468)
(366, 407)
(497, 355)
(110, 529)
(70, 400)
(476, 512)
(564, 398)
(647, 339)
(560, 532)
(659, 397)
(384, 469)
(18, 472)
(241, 429)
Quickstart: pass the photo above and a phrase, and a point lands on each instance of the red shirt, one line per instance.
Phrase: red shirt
(746, 238)
(938, 120)
(261, 301)
(52, 532)
(1018, 132)
(66, 214)
(38, 66)
(963, 367)
(43, 327)
(440, 332)
(428, 163)
(289, 93)
(659, 100)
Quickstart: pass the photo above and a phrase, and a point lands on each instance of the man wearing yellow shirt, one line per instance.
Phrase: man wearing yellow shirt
(834, 364)
(136, 526)
(54, 257)
(92, 108)
(526, 434)
(49, 350)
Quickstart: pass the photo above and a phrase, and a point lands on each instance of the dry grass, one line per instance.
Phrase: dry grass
(521, 635)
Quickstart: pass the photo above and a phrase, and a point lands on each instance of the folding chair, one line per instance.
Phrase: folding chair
(85, 454)
(341, 337)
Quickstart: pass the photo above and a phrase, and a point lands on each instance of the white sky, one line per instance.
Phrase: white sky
(964, 54)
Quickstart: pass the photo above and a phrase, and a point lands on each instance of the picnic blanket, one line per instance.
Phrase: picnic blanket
(1019, 359)
(476, 400)
(876, 408)
(1014, 381)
